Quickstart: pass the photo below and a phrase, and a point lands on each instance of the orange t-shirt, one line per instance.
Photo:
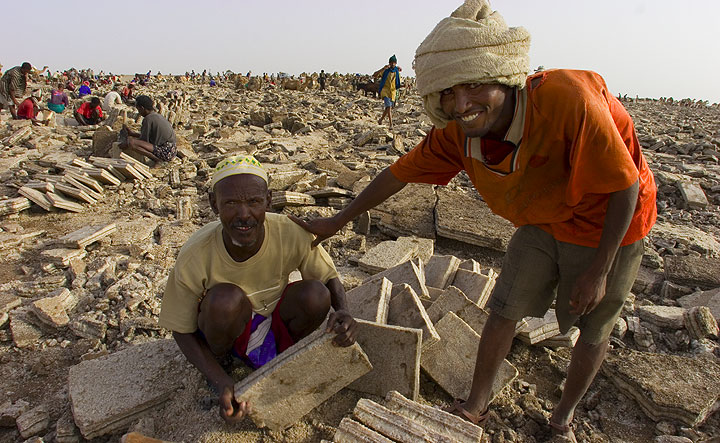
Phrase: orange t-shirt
(578, 145)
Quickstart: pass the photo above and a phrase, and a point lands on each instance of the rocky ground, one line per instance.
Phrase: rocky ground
(66, 300)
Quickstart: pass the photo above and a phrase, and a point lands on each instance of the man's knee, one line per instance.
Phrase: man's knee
(223, 305)
(314, 298)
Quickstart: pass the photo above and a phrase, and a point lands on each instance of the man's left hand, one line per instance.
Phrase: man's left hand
(587, 292)
(344, 325)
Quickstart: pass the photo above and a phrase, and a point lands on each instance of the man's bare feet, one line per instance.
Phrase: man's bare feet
(563, 431)
(458, 409)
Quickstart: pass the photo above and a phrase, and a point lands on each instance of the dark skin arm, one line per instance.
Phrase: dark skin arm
(589, 288)
(131, 133)
(198, 353)
(340, 321)
(380, 189)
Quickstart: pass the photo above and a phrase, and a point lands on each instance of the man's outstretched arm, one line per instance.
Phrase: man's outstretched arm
(384, 186)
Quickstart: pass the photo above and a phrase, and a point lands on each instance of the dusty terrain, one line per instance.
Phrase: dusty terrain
(318, 139)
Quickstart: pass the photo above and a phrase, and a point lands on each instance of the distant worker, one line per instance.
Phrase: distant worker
(58, 100)
(321, 79)
(84, 89)
(89, 113)
(30, 108)
(388, 87)
(127, 94)
(12, 87)
(111, 100)
(156, 139)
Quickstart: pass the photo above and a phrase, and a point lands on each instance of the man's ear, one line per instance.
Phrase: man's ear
(269, 200)
(213, 202)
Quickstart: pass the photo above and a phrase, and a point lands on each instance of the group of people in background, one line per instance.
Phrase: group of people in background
(156, 139)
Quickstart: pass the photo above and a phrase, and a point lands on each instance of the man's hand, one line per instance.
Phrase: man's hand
(344, 325)
(587, 292)
(231, 410)
(323, 228)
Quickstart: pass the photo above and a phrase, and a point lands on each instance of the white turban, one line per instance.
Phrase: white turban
(473, 45)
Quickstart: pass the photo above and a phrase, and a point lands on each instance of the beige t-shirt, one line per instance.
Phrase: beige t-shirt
(203, 262)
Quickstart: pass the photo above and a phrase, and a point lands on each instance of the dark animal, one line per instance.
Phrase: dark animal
(368, 87)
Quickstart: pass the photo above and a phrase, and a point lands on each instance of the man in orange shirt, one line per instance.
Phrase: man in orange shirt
(556, 154)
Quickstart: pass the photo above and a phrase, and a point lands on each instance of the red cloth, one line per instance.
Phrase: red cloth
(26, 109)
(578, 146)
(86, 110)
(283, 340)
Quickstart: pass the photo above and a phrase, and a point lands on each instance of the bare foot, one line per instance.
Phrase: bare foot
(565, 431)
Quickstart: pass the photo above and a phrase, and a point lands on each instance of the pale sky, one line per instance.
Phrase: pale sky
(649, 48)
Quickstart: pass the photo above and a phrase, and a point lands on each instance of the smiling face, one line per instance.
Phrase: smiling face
(480, 109)
(241, 201)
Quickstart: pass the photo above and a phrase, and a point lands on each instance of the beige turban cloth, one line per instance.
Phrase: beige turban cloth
(473, 45)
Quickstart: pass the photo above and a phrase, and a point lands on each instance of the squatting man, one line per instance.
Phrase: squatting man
(229, 293)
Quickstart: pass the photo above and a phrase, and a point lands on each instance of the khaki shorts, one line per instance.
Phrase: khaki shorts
(537, 269)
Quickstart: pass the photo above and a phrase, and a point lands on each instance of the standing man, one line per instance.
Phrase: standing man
(12, 87)
(321, 79)
(229, 293)
(556, 154)
(156, 139)
(388, 87)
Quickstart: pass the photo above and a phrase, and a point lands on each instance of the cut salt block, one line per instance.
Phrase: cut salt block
(110, 392)
(394, 425)
(662, 316)
(299, 379)
(370, 301)
(86, 235)
(423, 247)
(440, 270)
(566, 340)
(411, 272)
(351, 431)
(667, 387)
(451, 300)
(476, 286)
(386, 255)
(476, 317)
(406, 309)
(538, 329)
(451, 361)
(400, 372)
(456, 428)
(470, 265)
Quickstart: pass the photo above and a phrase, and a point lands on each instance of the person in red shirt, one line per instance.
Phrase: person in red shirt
(126, 94)
(89, 113)
(556, 154)
(30, 108)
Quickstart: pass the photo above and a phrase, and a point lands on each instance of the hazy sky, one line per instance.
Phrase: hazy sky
(651, 48)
